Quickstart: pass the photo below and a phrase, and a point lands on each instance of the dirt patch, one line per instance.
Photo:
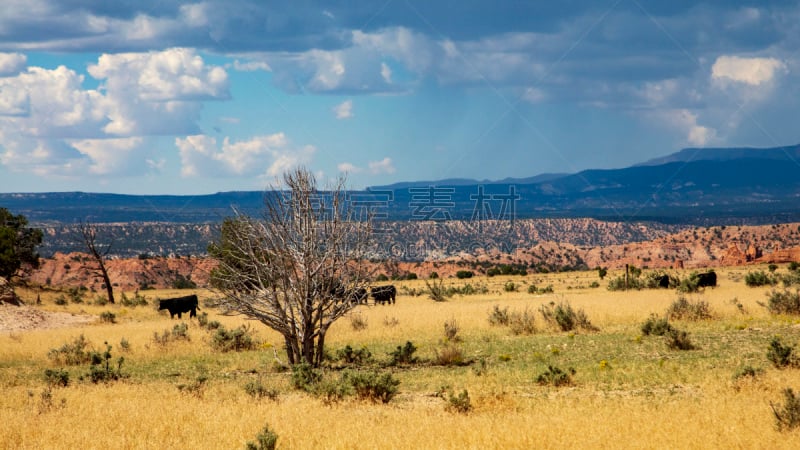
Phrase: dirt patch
(25, 318)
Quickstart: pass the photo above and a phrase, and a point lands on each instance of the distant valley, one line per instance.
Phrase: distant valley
(438, 219)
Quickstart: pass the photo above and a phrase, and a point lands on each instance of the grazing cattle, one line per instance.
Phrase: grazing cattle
(384, 294)
(357, 296)
(180, 305)
(663, 282)
(707, 279)
(360, 296)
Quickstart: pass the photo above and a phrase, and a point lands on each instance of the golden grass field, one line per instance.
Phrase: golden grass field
(629, 391)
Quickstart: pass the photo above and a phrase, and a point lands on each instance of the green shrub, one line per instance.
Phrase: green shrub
(437, 291)
(381, 277)
(787, 416)
(772, 267)
(683, 309)
(689, 284)
(794, 265)
(108, 316)
(124, 345)
(510, 286)
(759, 278)
(61, 300)
(498, 316)
(304, 376)
(556, 377)
(565, 317)
(351, 356)
(137, 300)
(258, 391)
(679, 340)
(373, 386)
(459, 403)
(266, 439)
(618, 283)
(403, 354)
(463, 274)
(183, 282)
(433, 275)
(73, 353)
(747, 372)
(56, 377)
(780, 355)
(235, 340)
(179, 332)
(656, 326)
(202, 319)
(101, 370)
(783, 302)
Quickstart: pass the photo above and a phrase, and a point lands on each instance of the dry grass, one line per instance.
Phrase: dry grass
(630, 391)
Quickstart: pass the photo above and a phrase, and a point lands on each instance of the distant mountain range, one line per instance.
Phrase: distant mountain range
(706, 185)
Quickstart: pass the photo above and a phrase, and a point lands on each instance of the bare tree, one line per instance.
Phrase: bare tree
(299, 267)
(99, 252)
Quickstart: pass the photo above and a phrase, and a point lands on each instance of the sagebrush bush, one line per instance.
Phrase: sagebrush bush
(683, 309)
(759, 278)
(137, 300)
(179, 332)
(56, 377)
(565, 317)
(304, 376)
(403, 354)
(451, 330)
(266, 439)
(498, 316)
(656, 326)
(783, 302)
(679, 340)
(522, 322)
(100, 368)
(235, 340)
(108, 317)
(510, 286)
(779, 354)
(358, 322)
(73, 353)
(437, 291)
(257, 390)
(373, 386)
(556, 377)
(450, 355)
(352, 356)
(747, 371)
(459, 403)
(787, 415)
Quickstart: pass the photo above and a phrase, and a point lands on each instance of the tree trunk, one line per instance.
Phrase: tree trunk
(107, 281)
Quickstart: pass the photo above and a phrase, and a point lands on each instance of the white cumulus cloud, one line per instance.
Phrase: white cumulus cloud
(383, 166)
(344, 110)
(752, 71)
(268, 155)
(11, 63)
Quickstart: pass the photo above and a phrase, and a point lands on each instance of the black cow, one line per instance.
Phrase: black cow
(357, 296)
(360, 296)
(663, 282)
(707, 279)
(180, 305)
(384, 294)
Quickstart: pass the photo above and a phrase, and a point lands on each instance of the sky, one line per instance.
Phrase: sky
(182, 97)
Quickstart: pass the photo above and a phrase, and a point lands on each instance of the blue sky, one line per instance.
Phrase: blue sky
(180, 97)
